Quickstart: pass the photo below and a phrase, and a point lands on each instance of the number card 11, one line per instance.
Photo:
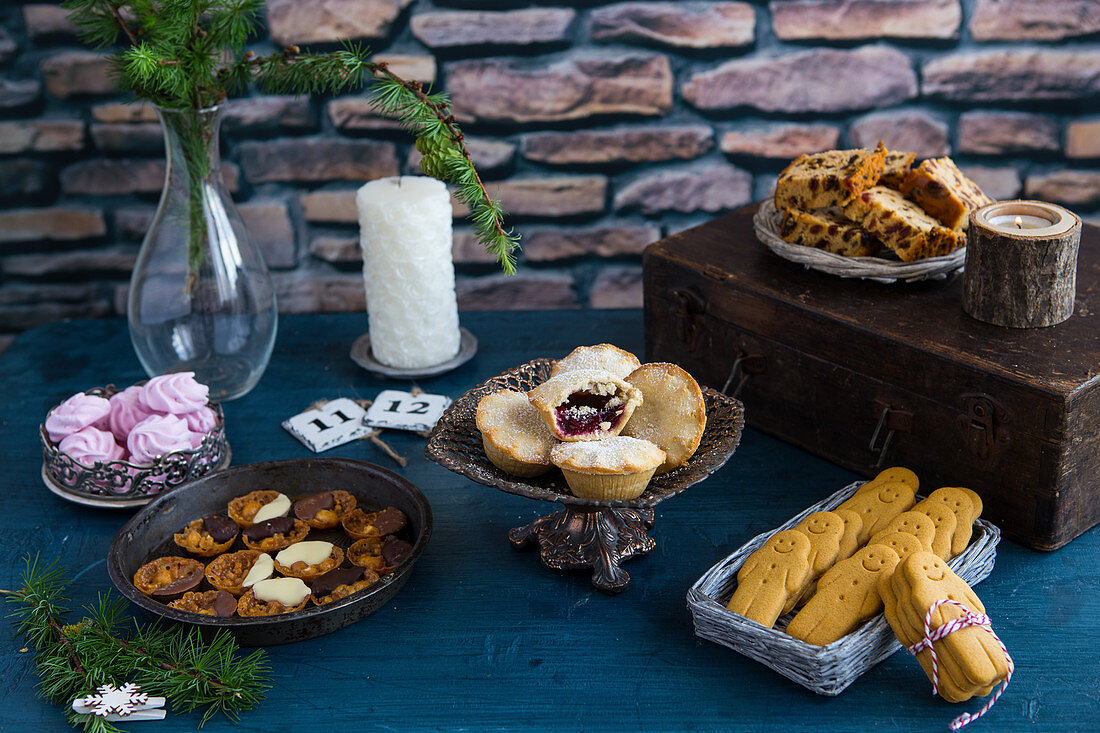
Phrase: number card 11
(406, 411)
(333, 423)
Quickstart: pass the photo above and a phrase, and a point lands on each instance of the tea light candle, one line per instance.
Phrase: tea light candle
(1022, 221)
(405, 234)
(1021, 264)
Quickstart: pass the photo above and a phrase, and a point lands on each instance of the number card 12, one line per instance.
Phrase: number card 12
(406, 411)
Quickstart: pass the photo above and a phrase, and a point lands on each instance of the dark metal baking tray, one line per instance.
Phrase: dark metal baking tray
(149, 535)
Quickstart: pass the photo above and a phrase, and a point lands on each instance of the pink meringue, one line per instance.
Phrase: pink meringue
(91, 445)
(156, 435)
(127, 410)
(201, 421)
(177, 393)
(76, 413)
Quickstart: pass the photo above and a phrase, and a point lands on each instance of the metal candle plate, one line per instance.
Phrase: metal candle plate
(587, 533)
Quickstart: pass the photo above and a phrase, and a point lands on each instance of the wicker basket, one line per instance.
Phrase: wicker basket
(825, 670)
(768, 220)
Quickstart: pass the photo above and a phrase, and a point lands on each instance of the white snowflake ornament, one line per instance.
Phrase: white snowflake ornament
(121, 703)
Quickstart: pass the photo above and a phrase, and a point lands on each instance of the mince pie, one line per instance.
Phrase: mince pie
(616, 468)
(585, 404)
(601, 356)
(673, 416)
(513, 434)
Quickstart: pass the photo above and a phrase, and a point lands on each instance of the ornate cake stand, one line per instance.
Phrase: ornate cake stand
(587, 533)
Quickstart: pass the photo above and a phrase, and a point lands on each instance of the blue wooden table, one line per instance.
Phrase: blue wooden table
(485, 638)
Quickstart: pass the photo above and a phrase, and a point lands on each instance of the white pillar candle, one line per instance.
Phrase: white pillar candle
(405, 233)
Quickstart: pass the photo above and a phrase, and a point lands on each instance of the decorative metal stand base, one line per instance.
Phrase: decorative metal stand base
(599, 538)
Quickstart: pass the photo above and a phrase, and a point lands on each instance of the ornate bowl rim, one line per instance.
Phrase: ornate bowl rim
(455, 444)
(121, 484)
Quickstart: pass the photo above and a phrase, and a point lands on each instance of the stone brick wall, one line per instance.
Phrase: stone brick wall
(603, 126)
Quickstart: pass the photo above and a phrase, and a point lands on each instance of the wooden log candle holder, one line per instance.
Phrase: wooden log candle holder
(1021, 264)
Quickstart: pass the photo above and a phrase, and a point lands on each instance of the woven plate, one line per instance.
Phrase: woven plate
(826, 670)
(768, 219)
(455, 444)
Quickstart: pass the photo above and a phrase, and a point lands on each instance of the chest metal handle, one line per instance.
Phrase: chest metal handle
(890, 419)
(745, 365)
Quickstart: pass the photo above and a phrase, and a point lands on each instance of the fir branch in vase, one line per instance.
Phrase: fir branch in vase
(190, 55)
(174, 662)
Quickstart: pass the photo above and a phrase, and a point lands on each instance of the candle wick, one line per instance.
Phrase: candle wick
(1019, 223)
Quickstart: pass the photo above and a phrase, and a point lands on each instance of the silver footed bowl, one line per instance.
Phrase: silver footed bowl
(121, 484)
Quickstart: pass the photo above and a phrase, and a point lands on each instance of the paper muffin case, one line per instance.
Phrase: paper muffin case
(826, 670)
(502, 460)
(610, 486)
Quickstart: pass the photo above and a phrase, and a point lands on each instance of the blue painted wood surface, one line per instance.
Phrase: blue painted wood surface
(485, 638)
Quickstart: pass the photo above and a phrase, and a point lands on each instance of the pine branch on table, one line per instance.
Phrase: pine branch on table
(170, 661)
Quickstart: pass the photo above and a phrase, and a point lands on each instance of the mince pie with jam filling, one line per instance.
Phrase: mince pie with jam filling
(585, 404)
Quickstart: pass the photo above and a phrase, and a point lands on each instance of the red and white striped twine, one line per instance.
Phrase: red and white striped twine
(967, 619)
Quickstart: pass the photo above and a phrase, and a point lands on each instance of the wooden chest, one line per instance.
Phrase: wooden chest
(870, 375)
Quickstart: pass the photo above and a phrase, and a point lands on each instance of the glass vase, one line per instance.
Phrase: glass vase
(201, 298)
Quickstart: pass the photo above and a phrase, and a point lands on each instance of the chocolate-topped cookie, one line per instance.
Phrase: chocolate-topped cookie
(324, 510)
(207, 603)
(275, 534)
(340, 583)
(168, 578)
(208, 536)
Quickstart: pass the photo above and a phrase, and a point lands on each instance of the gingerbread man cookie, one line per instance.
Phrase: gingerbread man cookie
(966, 505)
(824, 530)
(917, 524)
(770, 576)
(878, 506)
(946, 522)
(849, 541)
(895, 474)
(846, 597)
(970, 661)
(903, 543)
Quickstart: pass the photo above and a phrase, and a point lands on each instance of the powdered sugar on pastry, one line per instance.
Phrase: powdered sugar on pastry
(515, 426)
(607, 357)
(673, 415)
(585, 404)
(618, 454)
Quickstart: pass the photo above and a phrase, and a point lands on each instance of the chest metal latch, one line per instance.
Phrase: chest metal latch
(984, 426)
(685, 308)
